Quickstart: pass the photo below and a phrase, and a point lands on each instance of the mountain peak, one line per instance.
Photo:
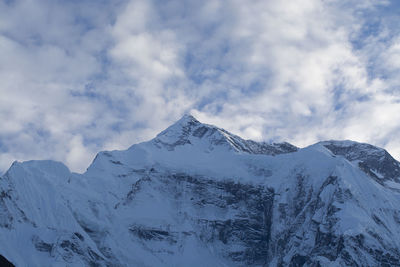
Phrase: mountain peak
(189, 131)
(187, 118)
(177, 132)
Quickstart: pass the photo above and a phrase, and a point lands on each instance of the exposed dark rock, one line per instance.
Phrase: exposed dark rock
(4, 262)
(147, 233)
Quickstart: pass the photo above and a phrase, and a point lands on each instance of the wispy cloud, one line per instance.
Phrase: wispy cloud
(81, 76)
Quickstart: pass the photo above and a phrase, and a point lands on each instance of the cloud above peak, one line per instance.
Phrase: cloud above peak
(83, 76)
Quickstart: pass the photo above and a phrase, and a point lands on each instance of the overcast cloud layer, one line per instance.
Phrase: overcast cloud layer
(78, 77)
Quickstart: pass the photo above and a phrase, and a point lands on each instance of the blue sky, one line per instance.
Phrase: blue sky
(78, 77)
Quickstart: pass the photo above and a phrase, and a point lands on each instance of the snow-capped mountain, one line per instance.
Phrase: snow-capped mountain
(197, 195)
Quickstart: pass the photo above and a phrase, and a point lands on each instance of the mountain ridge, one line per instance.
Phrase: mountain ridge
(277, 148)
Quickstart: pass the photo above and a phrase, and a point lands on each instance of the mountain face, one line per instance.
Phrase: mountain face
(197, 195)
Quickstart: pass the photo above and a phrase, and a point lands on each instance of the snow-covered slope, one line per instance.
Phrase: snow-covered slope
(198, 195)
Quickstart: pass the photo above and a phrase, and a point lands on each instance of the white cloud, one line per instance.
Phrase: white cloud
(81, 76)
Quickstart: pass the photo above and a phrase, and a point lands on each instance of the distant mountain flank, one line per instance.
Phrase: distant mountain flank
(197, 195)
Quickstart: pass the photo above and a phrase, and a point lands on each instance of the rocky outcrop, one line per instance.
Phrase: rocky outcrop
(4, 262)
(374, 161)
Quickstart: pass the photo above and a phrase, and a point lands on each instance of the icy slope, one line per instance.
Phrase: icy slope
(198, 195)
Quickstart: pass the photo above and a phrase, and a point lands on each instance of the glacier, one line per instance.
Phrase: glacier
(197, 195)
